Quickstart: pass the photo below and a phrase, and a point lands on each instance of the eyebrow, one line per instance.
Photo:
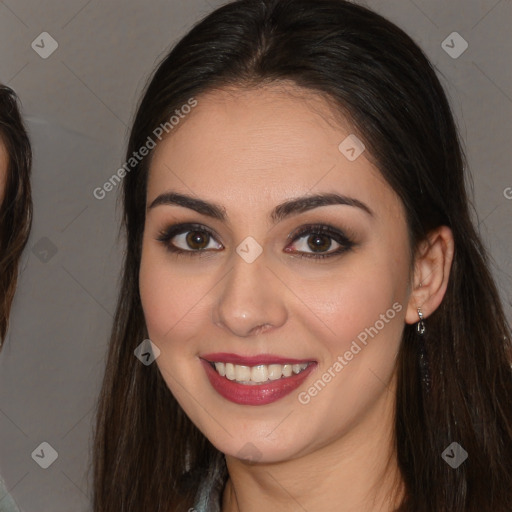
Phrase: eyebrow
(280, 212)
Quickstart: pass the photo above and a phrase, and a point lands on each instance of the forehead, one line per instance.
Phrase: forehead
(270, 126)
(251, 144)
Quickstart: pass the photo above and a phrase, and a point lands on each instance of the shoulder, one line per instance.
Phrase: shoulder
(7, 503)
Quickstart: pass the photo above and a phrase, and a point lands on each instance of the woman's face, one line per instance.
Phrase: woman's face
(241, 292)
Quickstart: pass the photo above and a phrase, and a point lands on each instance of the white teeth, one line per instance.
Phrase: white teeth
(242, 373)
(221, 369)
(230, 371)
(258, 374)
(274, 371)
(287, 370)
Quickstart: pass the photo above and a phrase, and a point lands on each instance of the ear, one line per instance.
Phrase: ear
(432, 266)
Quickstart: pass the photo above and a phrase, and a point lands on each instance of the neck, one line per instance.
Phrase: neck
(356, 472)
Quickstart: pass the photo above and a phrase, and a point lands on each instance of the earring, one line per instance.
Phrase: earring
(420, 326)
(423, 357)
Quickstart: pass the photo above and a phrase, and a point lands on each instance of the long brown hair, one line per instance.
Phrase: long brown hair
(374, 75)
(16, 207)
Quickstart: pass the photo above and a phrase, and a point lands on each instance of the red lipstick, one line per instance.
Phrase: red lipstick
(254, 394)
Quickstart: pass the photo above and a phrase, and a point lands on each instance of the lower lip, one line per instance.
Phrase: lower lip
(257, 394)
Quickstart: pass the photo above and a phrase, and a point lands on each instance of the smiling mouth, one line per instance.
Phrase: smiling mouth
(258, 374)
(255, 380)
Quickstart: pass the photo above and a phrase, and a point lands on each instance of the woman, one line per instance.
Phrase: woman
(15, 215)
(325, 330)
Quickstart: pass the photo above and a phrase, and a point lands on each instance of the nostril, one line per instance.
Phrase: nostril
(260, 329)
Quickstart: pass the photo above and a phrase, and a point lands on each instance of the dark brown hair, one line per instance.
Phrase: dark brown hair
(375, 76)
(16, 207)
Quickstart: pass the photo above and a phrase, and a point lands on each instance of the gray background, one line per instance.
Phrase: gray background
(78, 104)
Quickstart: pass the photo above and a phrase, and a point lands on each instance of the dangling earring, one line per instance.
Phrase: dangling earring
(420, 326)
(424, 363)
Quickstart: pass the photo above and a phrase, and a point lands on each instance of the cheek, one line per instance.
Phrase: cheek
(345, 303)
(173, 301)
(362, 303)
(168, 304)
(164, 295)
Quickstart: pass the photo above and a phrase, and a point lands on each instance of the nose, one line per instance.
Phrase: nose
(252, 300)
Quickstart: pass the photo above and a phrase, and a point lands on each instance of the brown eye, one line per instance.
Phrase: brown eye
(317, 241)
(188, 239)
(197, 239)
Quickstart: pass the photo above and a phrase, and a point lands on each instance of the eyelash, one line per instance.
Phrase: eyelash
(346, 243)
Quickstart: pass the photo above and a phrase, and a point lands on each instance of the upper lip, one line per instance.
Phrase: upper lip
(224, 357)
